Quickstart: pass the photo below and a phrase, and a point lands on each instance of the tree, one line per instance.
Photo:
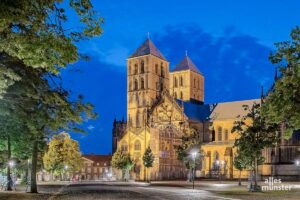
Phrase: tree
(282, 103)
(241, 163)
(189, 143)
(122, 161)
(36, 33)
(148, 158)
(62, 151)
(253, 129)
(43, 108)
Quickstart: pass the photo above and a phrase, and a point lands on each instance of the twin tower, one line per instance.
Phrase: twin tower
(149, 77)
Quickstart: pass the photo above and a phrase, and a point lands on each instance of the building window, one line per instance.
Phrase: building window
(137, 145)
(194, 83)
(142, 67)
(181, 95)
(129, 70)
(226, 135)
(124, 147)
(156, 68)
(135, 69)
(220, 134)
(136, 85)
(175, 95)
(162, 70)
(175, 82)
(142, 83)
(181, 81)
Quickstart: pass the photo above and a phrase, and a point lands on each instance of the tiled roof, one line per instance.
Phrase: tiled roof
(101, 159)
(147, 48)
(186, 64)
(231, 110)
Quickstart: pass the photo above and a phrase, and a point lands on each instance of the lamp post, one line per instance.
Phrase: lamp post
(298, 166)
(194, 155)
(66, 169)
(218, 166)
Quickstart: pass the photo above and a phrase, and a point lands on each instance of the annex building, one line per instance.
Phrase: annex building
(163, 105)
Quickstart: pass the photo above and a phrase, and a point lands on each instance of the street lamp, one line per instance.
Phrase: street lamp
(66, 168)
(11, 163)
(194, 155)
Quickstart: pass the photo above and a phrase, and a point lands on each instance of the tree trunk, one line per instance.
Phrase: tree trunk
(255, 174)
(33, 186)
(240, 181)
(9, 179)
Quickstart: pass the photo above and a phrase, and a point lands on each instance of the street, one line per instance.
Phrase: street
(121, 191)
(168, 190)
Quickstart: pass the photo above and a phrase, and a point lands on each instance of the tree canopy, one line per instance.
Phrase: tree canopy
(283, 101)
(62, 151)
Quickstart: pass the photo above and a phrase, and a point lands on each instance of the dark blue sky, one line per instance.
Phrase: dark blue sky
(229, 41)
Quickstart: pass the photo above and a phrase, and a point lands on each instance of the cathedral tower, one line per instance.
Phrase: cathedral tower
(187, 82)
(147, 77)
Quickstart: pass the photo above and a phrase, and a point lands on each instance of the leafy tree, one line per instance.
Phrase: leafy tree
(122, 161)
(62, 151)
(148, 158)
(254, 130)
(241, 163)
(36, 32)
(43, 108)
(282, 103)
(189, 143)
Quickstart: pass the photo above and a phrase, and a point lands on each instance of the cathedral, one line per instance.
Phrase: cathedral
(163, 105)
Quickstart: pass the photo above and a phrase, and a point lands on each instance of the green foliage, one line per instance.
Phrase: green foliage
(62, 151)
(148, 158)
(240, 161)
(258, 133)
(36, 33)
(282, 103)
(122, 161)
(183, 151)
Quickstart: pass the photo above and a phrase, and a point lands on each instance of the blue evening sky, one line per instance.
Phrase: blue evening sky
(229, 41)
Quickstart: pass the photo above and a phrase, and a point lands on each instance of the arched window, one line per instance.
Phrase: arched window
(181, 81)
(181, 95)
(162, 70)
(136, 85)
(175, 82)
(124, 146)
(194, 82)
(156, 68)
(142, 67)
(213, 135)
(135, 68)
(142, 83)
(219, 133)
(225, 134)
(130, 85)
(137, 145)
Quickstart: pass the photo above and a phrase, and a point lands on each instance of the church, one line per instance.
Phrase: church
(163, 105)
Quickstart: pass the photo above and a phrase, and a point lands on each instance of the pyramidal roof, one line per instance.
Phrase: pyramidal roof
(186, 64)
(147, 48)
